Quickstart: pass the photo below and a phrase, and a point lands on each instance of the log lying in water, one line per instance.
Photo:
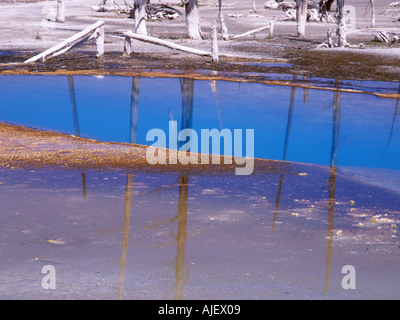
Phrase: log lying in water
(94, 31)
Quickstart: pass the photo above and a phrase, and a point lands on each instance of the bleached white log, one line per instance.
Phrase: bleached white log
(252, 31)
(94, 31)
(160, 42)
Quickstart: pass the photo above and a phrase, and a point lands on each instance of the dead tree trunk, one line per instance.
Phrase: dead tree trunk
(372, 13)
(224, 29)
(60, 17)
(301, 15)
(140, 16)
(341, 29)
(192, 19)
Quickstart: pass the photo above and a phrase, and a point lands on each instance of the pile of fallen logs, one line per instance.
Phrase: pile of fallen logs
(153, 11)
(387, 37)
(316, 12)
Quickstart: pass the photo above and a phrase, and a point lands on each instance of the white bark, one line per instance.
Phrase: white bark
(224, 29)
(140, 17)
(160, 42)
(301, 15)
(214, 42)
(341, 29)
(255, 31)
(271, 29)
(60, 17)
(372, 13)
(99, 41)
(330, 41)
(192, 20)
(94, 31)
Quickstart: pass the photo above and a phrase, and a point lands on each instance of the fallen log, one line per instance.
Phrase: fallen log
(270, 26)
(94, 31)
(130, 35)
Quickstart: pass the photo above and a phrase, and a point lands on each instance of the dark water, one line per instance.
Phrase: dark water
(271, 235)
(289, 123)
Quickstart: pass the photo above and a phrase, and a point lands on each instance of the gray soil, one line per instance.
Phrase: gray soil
(23, 35)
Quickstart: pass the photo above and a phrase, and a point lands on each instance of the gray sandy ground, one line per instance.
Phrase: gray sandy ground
(28, 25)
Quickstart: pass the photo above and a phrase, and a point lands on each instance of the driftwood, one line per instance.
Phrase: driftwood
(387, 37)
(94, 31)
(270, 27)
(130, 35)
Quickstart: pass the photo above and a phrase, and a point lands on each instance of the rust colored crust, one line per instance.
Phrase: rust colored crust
(21, 147)
(195, 76)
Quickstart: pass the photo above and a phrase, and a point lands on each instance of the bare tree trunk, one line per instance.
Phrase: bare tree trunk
(301, 15)
(192, 19)
(373, 13)
(224, 29)
(341, 30)
(214, 44)
(140, 16)
(60, 17)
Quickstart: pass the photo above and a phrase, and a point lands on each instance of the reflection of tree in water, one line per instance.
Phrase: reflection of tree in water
(76, 123)
(332, 171)
(181, 275)
(393, 121)
(332, 182)
(133, 125)
(285, 150)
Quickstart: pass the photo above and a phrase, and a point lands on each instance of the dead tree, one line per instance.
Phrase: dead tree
(301, 16)
(60, 17)
(193, 29)
(372, 13)
(224, 29)
(139, 9)
(341, 29)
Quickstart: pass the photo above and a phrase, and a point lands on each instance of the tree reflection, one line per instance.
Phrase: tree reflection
(133, 125)
(76, 123)
(285, 150)
(332, 182)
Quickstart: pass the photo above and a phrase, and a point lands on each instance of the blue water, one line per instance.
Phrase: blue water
(368, 126)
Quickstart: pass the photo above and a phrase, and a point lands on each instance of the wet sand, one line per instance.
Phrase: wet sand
(118, 230)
